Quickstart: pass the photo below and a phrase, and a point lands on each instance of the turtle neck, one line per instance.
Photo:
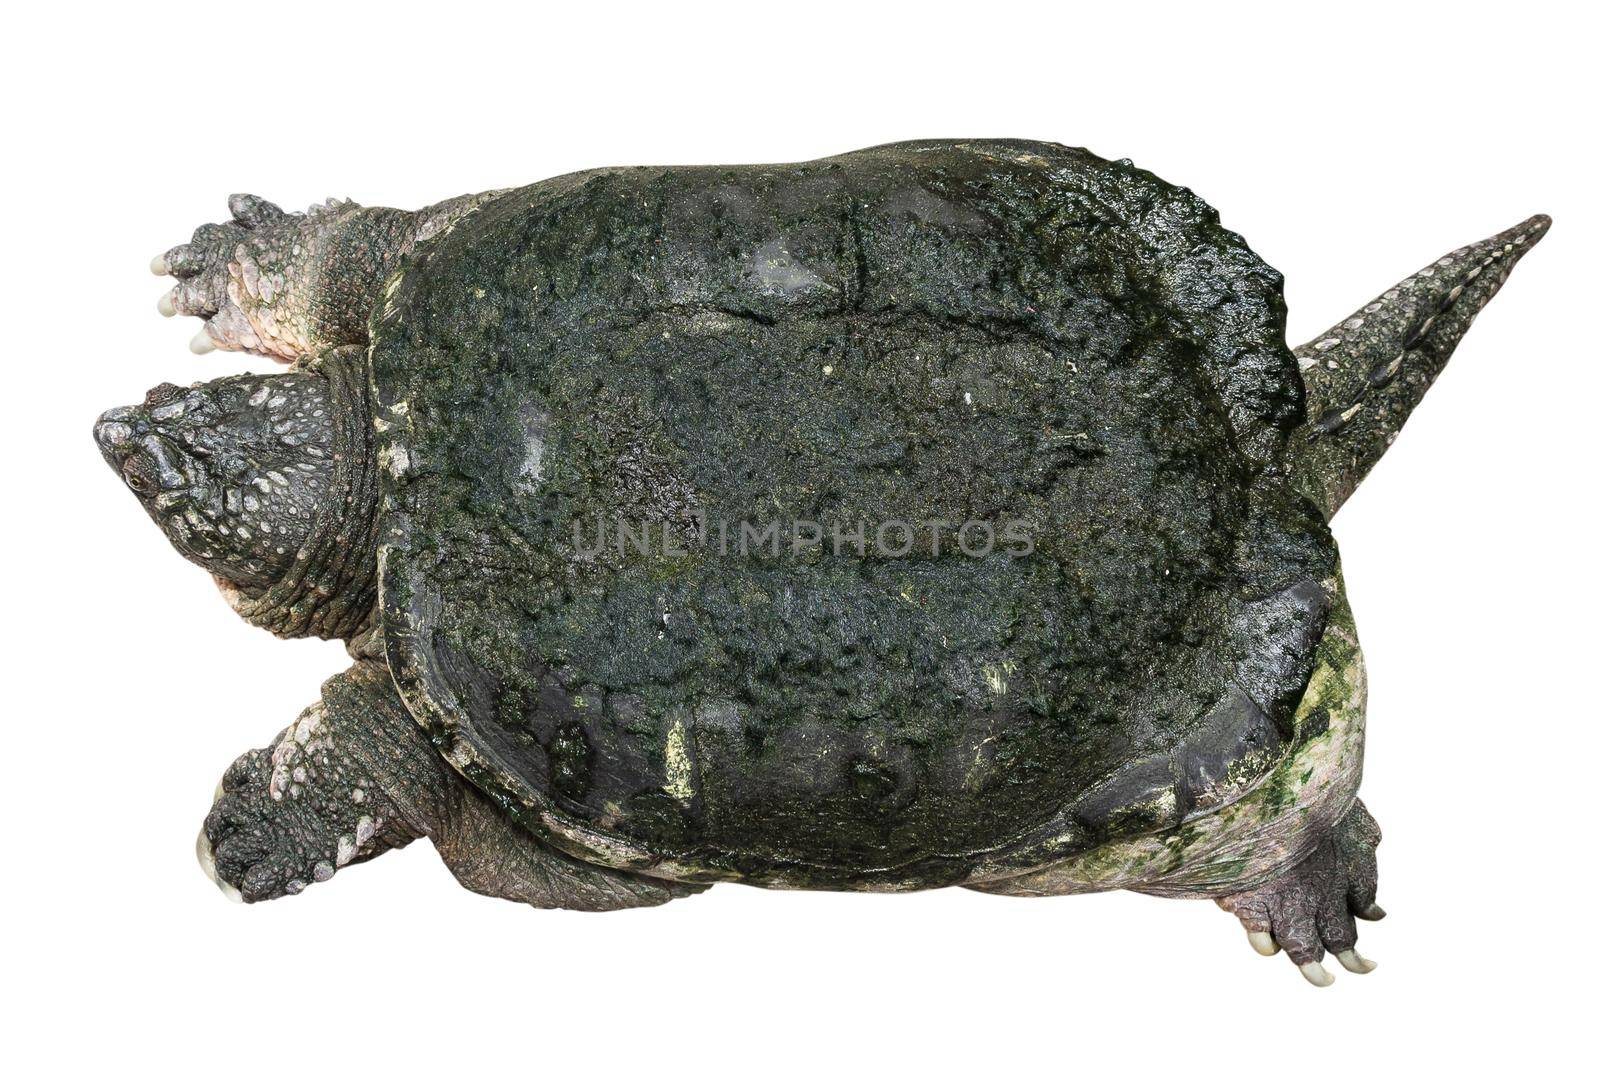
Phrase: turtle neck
(330, 588)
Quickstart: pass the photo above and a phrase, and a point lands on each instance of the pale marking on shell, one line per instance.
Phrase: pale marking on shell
(680, 781)
(395, 459)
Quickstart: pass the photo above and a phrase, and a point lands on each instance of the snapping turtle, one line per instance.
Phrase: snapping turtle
(946, 513)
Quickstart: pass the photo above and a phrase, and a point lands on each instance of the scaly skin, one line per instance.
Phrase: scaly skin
(233, 470)
(1366, 375)
(297, 811)
(353, 777)
(1313, 906)
(289, 285)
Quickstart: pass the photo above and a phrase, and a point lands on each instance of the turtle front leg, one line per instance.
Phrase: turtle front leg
(321, 797)
(1312, 908)
(354, 777)
(284, 284)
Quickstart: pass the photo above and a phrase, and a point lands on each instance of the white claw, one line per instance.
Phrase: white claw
(208, 863)
(168, 304)
(1355, 963)
(158, 265)
(1262, 942)
(202, 343)
(1316, 974)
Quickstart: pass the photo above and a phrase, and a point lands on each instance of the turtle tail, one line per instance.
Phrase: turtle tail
(1365, 375)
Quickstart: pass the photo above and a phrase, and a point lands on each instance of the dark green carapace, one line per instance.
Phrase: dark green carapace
(947, 513)
(925, 346)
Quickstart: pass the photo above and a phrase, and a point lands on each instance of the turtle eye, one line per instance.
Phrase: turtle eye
(164, 393)
(137, 472)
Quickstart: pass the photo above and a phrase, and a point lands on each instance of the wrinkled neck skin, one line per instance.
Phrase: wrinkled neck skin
(329, 588)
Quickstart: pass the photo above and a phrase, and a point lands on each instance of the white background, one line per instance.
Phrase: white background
(1349, 144)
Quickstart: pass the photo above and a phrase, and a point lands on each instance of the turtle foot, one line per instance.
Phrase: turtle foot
(250, 279)
(294, 814)
(1311, 909)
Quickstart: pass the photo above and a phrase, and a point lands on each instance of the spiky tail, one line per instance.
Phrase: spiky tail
(1364, 376)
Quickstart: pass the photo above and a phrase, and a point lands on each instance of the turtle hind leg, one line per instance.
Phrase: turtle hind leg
(287, 284)
(1311, 909)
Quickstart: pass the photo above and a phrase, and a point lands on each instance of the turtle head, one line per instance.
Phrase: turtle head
(267, 482)
(234, 471)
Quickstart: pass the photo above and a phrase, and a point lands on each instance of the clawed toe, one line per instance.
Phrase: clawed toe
(1264, 943)
(1304, 934)
(1355, 963)
(251, 211)
(1316, 974)
(208, 863)
(180, 261)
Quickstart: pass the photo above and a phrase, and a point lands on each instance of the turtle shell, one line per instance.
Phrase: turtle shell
(886, 521)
